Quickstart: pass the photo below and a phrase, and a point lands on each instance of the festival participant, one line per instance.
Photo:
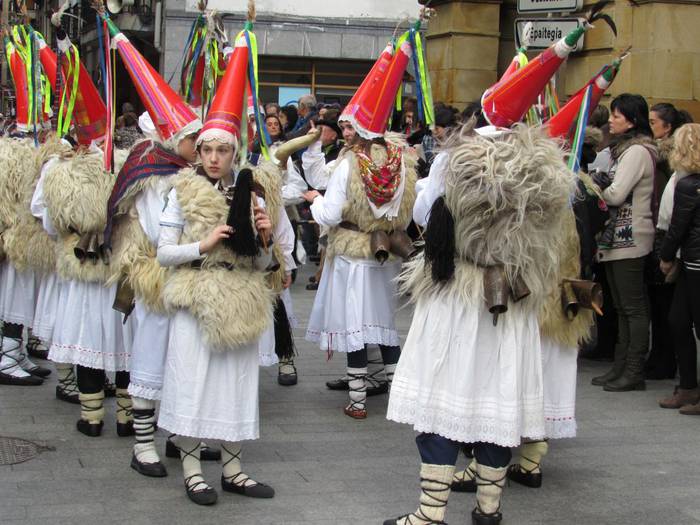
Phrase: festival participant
(135, 205)
(490, 261)
(215, 235)
(23, 244)
(366, 208)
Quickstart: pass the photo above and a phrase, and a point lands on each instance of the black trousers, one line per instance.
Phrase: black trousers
(390, 356)
(662, 357)
(438, 450)
(92, 380)
(685, 312)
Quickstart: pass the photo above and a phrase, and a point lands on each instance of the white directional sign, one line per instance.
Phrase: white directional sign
(546, 31)
(549, 6)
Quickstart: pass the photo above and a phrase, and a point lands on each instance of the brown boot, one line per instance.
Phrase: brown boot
(691, 410)
(680, 398)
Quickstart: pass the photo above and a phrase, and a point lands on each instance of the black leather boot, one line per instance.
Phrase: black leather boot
(631, 379)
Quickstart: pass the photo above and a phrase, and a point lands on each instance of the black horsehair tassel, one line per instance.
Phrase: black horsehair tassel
(284, 339)
(440, 242)
(242, 240)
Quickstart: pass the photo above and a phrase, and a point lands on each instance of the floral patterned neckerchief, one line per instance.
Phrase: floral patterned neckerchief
(382, 182)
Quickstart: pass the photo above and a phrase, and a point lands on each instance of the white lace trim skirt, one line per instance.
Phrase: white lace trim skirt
(463, 378)
(208, 395)
(148, 351)
(88, 332)
(559, 367)
(17, 295)
(354, 305)
(46, 307)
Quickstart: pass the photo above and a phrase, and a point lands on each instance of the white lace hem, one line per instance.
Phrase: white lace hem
(506, 432)
(89, 358)
(144, 392)
(352, 341)
(189, 427)
(43, 331)
(560, 428)
(24, 320)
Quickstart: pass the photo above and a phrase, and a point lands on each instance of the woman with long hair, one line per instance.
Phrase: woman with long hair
(628, 190)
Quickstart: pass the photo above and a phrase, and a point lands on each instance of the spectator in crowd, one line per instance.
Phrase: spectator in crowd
(306, 108)
(473, 110)
(274, 128)
(664, 119)
(288, 117)
(602, 348)
(628, 238)
(445, 119)
(128, 133)
(684, 234)
(271, 108)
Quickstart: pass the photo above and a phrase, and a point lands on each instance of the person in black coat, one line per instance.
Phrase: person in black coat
(684, 234)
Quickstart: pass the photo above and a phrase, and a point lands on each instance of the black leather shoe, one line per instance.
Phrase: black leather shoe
(125, 429)
(152, 470)
(312, 286)
(40, 371)
(205, 454)
(287, 379)
(259, 490)
(529, 479)
(65, 396)
(466, 485)
(372, 390)
(338, 384)
(30, 380)
(486, 519)
(89, 429)
(205, 496)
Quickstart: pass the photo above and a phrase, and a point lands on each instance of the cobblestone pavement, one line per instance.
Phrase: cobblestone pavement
(632, 463)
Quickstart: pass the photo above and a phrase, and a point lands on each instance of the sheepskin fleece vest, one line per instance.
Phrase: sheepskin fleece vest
(16, 159)
(76, 190)
(27, 244)
(356, 210)
(507, 197)
(232, 307)
(554, 324)
(269, 177)
(133, 254)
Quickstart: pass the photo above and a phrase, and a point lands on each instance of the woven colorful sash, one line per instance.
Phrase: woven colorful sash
(140, 163)
(382, 182)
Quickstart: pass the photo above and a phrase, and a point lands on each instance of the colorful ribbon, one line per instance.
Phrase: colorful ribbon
(252, 43)
(579, 136)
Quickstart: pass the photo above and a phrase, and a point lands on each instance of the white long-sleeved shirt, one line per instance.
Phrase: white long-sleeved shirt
(149, 204)
(327, 210)
(317, 171)
(430, 189)
(172, 223)
(294, 186)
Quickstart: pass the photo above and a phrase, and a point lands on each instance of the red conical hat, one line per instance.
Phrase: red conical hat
(507, 101)
(172, 117)
(18, 73)
(562, 124)
(223, 122)
(369, 109)
(90, 112)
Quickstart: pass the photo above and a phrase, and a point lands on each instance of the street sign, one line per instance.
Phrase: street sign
(546, 31)
(549, 6)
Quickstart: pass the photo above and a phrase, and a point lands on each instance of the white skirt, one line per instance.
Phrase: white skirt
(88, 332)
(268, 357)
(559, 366)
(17, 295)
(467, 380)
(148, 350)
(208, 395)
(46, 307)
(354, 305)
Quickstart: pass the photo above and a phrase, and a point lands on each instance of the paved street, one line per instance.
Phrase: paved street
(632, 463)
